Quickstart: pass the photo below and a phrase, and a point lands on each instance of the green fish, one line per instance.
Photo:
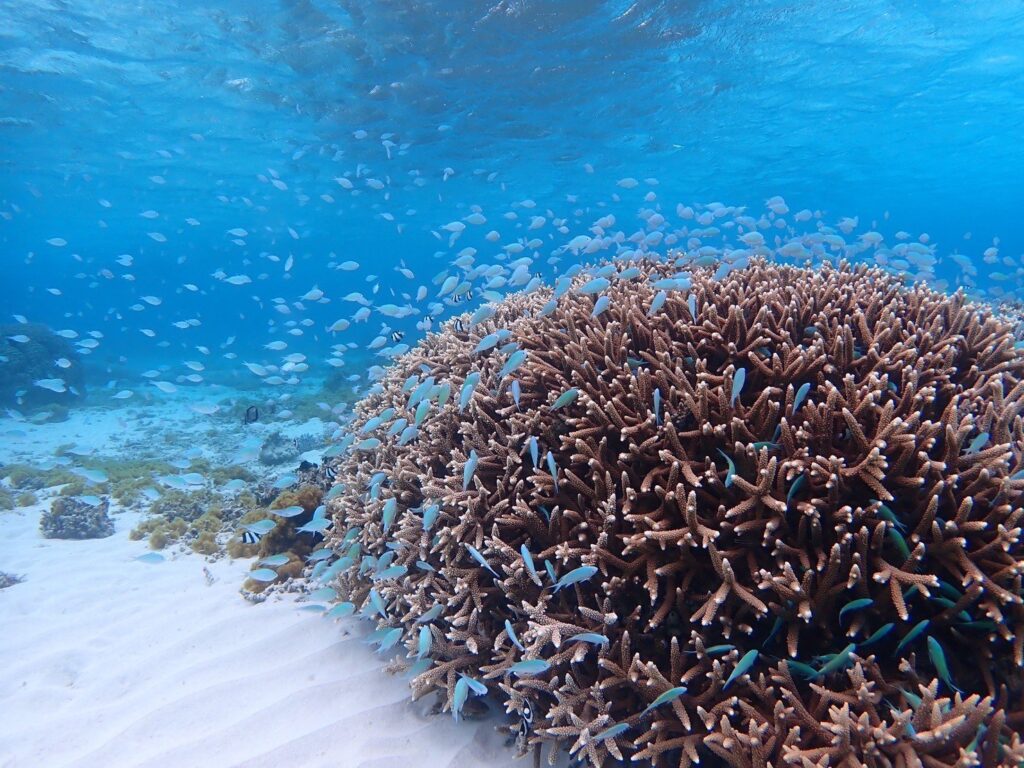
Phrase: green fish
(565, 398)
(938, 657)
(912, 635)
(855, 605)
(744, 665)
(879, 633)
(731, 474)
(838, 662)
(670, 695)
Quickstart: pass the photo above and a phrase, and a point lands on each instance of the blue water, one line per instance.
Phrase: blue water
(903, 115)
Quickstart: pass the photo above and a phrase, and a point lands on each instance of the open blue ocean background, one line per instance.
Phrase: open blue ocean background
(122, 122)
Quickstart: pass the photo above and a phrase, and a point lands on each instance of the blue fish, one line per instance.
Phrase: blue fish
(977, 443)
(670, 695)
(575, 576)
(602, 304)
(553, 468)
(513, 363)
(390, 639)
(475, 554)
(394, 572)
(421, 412)
(466, 394)
(487, 342)
(529, 667)
(341, 610)
(611, 733)
(409, 434)
(512, 635)
(421, 391)
(470, 469)
(92, 475)
(691, 304)
(516, 392)
(430, 515)
(528, 561)
(731, 473)
(738, 380)
(534, 452)
(459, 696)
(322, 594)
(589, 637)
(744, 666)
(657, 406)
(430, 615)
(443, 393)
(378, 603)
(596, 285)
(474, 685)
(286, 480)
(485, 312)
(801, 395)
(657, 303)
(314, 526)
(423, 644)
(274, 560)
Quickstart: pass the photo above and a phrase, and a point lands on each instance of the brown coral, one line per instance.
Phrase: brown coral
(810, 540)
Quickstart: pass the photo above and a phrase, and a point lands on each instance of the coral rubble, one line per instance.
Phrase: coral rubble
(766, 517)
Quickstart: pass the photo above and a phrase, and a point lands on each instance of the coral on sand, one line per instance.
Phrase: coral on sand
(77, 518)
(763, 517)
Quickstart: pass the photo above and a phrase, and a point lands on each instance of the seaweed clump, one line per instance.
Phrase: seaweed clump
(766, 518)
(74, 518)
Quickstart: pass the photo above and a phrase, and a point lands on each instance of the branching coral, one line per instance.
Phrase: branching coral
(771, 517)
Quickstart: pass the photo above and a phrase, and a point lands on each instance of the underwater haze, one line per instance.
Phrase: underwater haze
(226, 225)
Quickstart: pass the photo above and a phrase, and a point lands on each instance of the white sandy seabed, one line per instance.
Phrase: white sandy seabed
(109, 661)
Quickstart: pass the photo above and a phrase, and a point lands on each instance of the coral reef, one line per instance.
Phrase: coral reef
(277, 449)
(28, 353)
(670, 514)
(74, 518)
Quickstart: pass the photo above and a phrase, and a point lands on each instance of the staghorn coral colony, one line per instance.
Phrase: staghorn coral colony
(763, 517)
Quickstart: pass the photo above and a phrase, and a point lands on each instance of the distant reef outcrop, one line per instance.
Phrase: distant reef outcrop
(31, 353)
